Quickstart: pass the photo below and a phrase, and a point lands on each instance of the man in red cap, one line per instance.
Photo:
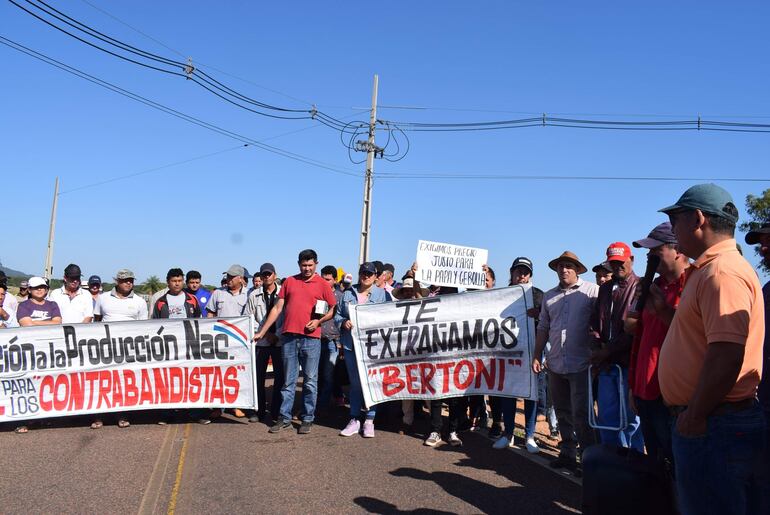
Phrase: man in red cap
(612, 346)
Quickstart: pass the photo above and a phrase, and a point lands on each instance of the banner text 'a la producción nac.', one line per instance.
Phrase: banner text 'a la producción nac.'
(95, 368)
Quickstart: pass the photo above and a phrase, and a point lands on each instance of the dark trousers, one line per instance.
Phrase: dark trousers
(263, 355)
(496, 407)
(455, 414)
(656, 427)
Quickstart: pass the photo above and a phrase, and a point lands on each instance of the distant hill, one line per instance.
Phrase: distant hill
(10, 272)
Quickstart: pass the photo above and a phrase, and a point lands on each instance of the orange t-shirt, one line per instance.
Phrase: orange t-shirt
(721, 302)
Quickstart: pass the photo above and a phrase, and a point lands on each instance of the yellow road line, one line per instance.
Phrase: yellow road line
(152, 490)
(179, 470)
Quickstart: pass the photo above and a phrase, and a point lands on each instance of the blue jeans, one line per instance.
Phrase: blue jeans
(608, 402)
(326, 371)
(509, 416)
(717, 473)
(656, 426)
(306, 352)
(356, 394)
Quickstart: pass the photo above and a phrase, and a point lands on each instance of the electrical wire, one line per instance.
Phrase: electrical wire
(180, 69)
(468, 176)
(173, 112)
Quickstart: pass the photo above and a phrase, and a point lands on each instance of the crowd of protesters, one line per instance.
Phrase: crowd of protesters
(677, 376)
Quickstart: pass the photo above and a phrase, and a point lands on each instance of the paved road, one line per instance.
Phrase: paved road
(234, 467)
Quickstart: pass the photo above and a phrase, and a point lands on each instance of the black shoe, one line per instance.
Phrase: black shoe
(564, 462)
(495, 432)
(304, 428)
(280, 425)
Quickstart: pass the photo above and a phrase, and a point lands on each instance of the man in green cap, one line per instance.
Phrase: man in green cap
(711, 361)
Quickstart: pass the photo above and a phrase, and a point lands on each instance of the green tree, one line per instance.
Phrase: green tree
(758, 208)
(153, 285)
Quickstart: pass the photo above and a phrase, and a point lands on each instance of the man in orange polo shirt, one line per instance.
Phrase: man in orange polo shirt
(711, 361)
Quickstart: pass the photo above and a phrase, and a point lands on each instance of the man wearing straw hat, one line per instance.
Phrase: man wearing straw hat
(564, 321)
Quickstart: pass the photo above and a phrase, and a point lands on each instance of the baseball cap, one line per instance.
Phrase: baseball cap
(24, 284)
(348, 279)
(522, 261)
(618, 251)
(236, 271)
(709, 198)
(73, 271)
(387, 267)
(124, 273)
(267, 267)
(752, 237)
(367, 267)
(94, 279)
(661, 234)
(35, 282)
(603, 267)
(246, 272)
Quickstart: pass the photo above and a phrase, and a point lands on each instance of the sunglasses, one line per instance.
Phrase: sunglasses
(265, 274)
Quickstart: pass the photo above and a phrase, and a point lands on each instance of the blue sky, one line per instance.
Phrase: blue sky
(655, 60)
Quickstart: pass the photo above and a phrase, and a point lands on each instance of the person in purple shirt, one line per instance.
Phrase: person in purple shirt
(37, 310)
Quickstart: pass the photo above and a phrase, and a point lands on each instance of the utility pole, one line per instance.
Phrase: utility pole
(366, 216)
(48, 272)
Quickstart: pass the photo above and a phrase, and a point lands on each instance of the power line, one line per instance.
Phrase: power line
(466, 176)
(173, 112)
(179, 69)
(155, 169)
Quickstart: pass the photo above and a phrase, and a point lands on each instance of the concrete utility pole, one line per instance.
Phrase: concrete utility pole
(48, 272)
(366, 216)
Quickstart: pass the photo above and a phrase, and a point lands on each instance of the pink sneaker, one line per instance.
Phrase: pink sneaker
(369, 429)
(352, 428)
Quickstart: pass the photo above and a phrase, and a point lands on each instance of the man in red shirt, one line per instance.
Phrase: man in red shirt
(644, 391)
(308, 303)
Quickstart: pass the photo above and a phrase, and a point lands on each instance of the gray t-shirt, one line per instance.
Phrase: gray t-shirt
(223, 303)
(176, 307)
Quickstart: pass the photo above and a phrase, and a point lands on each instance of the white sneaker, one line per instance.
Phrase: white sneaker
(502, 443)
(353, 427)
(531, 445)
(433, 440)
(454, 440)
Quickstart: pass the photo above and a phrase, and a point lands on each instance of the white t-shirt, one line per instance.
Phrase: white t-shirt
(116, 309)
(75, 309)
(10, 305)
(176, 308)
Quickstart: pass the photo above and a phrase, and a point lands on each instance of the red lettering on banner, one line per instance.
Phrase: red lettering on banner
(462, 385)
(147, 394)
(215, 392)
(410, 379)
(175, 384)
(46, 390)
(427, 371)
(445, 373)
(486, 374)
(117, 390)
(207, 372)
(130, 391)
(76, 398)
(391, 382)
(162, 393)
(91, 379)
(232, 386)
(105, 386)
(501, 378)
(60, 404)
(195, 385)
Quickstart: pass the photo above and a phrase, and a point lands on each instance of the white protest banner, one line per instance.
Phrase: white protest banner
(76, 369)
(472, 343)
(444, 264)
